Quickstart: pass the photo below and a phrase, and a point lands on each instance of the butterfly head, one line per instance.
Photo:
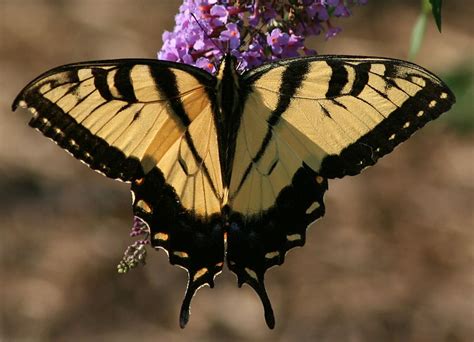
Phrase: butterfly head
(228, 77)
(227, 68)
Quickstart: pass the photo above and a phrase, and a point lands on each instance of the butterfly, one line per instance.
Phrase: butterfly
(232, 167)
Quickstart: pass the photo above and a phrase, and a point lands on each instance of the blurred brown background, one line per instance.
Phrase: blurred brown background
(392, 260)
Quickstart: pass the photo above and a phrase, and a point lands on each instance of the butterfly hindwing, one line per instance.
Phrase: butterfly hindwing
(259, 241)
(193, 242)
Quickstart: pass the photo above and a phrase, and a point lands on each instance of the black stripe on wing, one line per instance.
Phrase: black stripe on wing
(100, 82)
(361, 78)
(339, 78)
(291, 81)
(123, 83)
(170, 90)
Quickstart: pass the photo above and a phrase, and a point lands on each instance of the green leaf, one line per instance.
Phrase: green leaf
(417, 35)
(436, 9)
(461, 81)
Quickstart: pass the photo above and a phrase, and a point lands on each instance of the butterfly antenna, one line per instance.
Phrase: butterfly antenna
(252, 34)
(212, 40)
(207, 36)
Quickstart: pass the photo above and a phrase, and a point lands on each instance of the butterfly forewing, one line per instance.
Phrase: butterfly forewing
(350, 111)
(125, 117)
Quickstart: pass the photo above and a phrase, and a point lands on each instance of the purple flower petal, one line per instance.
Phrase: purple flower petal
(205, 63)
(219, 11)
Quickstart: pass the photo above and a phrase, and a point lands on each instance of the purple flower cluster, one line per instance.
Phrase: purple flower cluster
(255, 31)
(135, 254)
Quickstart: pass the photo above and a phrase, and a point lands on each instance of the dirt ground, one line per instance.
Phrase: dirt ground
(392, 260)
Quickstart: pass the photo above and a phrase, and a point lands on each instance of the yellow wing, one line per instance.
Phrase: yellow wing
(335, 114)
(125, 117)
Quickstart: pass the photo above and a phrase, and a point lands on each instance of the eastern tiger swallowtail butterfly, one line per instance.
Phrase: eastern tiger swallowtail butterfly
(232, 166)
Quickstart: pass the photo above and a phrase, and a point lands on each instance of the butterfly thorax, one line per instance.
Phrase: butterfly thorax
(229, 104)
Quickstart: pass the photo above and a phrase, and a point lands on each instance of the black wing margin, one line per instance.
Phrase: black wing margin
(431, 99)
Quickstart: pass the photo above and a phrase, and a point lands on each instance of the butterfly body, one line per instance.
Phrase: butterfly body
(229, 109)
(233, 167)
